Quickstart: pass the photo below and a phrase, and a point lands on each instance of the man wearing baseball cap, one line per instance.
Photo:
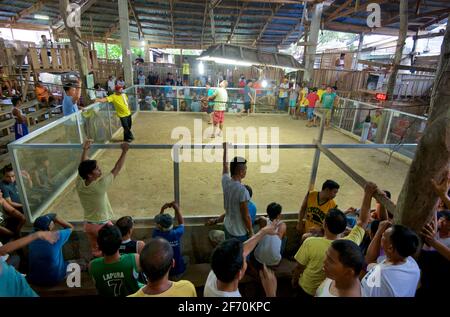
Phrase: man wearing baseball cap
(120, 102)
(46, 261)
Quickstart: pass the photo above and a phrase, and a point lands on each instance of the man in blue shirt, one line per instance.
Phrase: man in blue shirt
(47, 266)
(172, 234)
(9, 189)
(12, 283)
(71, 98)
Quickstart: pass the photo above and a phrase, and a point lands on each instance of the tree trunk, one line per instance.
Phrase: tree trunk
(417, 201)
(400, 45)
(75, 41)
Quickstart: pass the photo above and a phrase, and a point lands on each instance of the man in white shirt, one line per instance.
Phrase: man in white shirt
(238, 223)
(228, 263)
(283, 94)
(398, 274)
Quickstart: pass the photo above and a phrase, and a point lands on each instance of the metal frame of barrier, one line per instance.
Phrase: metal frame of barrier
(31, 215)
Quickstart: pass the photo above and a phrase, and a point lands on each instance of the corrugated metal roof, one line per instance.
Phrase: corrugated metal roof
(265, 23)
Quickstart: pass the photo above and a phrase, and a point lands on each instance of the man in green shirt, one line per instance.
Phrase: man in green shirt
(92, 189)
(328, 100)
(114, 275)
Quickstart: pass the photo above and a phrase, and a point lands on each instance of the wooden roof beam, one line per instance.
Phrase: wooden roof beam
(233, 29)
(171, 4)
(274, 11)
(28, 11)
(339, 9)
(136, 18)
(204, 22)
(351, 11)
(84, 7)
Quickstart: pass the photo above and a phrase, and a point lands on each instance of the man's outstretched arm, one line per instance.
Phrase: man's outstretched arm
(119, 164)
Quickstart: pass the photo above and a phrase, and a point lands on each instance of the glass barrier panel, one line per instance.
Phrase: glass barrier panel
(143, 185)
(64, 131)
(44, 172)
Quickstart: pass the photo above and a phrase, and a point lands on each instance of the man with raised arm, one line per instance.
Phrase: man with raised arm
(92, 189)
(237, 222)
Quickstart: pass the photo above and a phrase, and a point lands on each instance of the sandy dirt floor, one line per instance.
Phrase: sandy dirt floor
(146, 182)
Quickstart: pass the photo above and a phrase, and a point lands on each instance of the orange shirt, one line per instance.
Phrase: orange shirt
(42, 93)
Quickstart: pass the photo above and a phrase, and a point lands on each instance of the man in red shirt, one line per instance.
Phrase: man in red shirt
(312, 100)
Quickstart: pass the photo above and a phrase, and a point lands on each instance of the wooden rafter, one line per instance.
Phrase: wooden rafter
(339, 9)
(434, 21)
(84, 7)
(418, 3)
(204, 22)
(136, 18)
(351, 11)
(236, 23)
(30, 10)
(302, 21)
(266, 24)
(171, 4)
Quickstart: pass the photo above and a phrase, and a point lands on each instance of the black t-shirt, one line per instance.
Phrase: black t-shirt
(139, 60)
(170, 82)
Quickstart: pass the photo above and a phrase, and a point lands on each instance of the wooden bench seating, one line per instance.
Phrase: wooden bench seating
(6, 125)
(195, 273)
(62, 290)
(33, 116)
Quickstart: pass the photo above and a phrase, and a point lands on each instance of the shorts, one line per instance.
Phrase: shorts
(302, 109)
(185, 77)
(218, 117)
(310, 113)
(292, 103)
(327, 113)
(247, 106)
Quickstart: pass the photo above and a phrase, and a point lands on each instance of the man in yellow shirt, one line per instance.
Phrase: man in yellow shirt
(120, 102)
(315, 207)
(321, 91)
(309, 274)
(156, 260)
(92, 189)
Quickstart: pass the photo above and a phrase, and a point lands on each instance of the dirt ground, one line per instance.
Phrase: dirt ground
(146, 181)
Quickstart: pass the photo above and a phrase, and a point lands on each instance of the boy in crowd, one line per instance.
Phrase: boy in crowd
(12, 219)
(302, 102)
(157, 261)
(328, 100)
(8, 186)
(293, 101)
(228, 264)
(92, 189)
(268, 250)
(309, 274)
(71, 98)
(46, 261)
(114, 275)
(312, 100)
(252, 210)
(315, 207)
(343, 263)
(166, 230)
(125, 225)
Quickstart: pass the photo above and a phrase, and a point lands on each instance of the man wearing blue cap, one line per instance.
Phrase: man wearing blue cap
(47, 266)
(166, 230)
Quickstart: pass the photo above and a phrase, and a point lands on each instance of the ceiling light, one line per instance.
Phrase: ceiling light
(41, 17)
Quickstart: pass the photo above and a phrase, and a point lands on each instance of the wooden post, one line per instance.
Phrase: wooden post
(358, 53)
(106, 50)
(400, 45)
(75, 41)
(313, 38)
(417, 200)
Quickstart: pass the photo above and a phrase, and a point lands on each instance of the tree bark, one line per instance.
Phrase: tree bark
(400, 46)
(417, 201)
(75, 41)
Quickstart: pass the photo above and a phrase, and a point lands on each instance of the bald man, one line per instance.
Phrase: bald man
(156, 260)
